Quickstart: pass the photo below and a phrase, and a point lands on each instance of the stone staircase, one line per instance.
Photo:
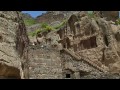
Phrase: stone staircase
(86, 60)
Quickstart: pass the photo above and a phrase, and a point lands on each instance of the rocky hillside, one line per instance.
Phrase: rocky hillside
(88, 45)
(60, 45)
(28, 19)
(27, 16)
(54, 16)
(13, 45)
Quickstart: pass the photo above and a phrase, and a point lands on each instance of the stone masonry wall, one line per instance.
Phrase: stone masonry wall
(44, 63)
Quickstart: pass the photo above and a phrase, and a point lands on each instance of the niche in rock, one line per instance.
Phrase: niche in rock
(88, 44)
(1, 38)
(68, 74)
(71, 23)
(106, 40)
(68, 43)
(9, 72)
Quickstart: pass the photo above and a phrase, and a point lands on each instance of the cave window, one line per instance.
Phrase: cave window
(10, 72)
(106, 40)
(89, 43)
(93, 42)
(68, 43)
(68, 76)
(1, 38)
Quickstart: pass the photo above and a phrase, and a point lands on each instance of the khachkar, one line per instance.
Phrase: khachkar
(13, 41)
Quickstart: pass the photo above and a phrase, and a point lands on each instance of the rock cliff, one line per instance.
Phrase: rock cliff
(13, 41)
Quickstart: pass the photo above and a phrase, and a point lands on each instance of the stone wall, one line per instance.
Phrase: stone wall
(45, 63)
(78, 69)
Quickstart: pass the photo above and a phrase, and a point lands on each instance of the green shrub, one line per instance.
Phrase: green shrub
(34, 33)
(91, 14)
(45, 28)
(31, 34)
(44, 25)
(29, 22)
(117, 21)
(49, 28)
(61, 24)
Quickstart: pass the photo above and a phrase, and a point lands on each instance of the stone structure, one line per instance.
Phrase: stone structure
(84, 48)
(13, 41)
(92, 39)
(45, 63)
(89, 48)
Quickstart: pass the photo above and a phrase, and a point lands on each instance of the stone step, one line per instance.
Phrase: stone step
(86, 60)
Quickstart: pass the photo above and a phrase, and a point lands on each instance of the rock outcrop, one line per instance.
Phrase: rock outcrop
(53, 16)
(88, 45)
(109, 15)
(13, 45)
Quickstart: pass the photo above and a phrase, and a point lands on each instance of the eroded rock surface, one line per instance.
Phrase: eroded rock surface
(13, 41)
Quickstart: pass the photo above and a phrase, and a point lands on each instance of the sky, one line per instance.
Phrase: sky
(34, 13)
(37, 13)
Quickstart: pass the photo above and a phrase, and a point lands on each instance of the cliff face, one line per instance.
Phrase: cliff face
(53, 16)
(89, 48)
(84, 47)
(109, 15)
(13, 41)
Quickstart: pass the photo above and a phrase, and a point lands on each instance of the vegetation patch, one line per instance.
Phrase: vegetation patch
(29, 22)
(61, 24)
(117, 22)
(46, 28)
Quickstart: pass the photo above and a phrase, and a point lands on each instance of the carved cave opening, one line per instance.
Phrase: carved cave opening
(71, 22)
(68, 74)
(88, 44)
(9, 72)
(1, 38)
(68, 43)
(106, 40)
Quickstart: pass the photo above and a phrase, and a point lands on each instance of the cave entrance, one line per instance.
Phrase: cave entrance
(68, 74)
(71, 22)
(68, 43)
(9, 72)
(88, 43)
